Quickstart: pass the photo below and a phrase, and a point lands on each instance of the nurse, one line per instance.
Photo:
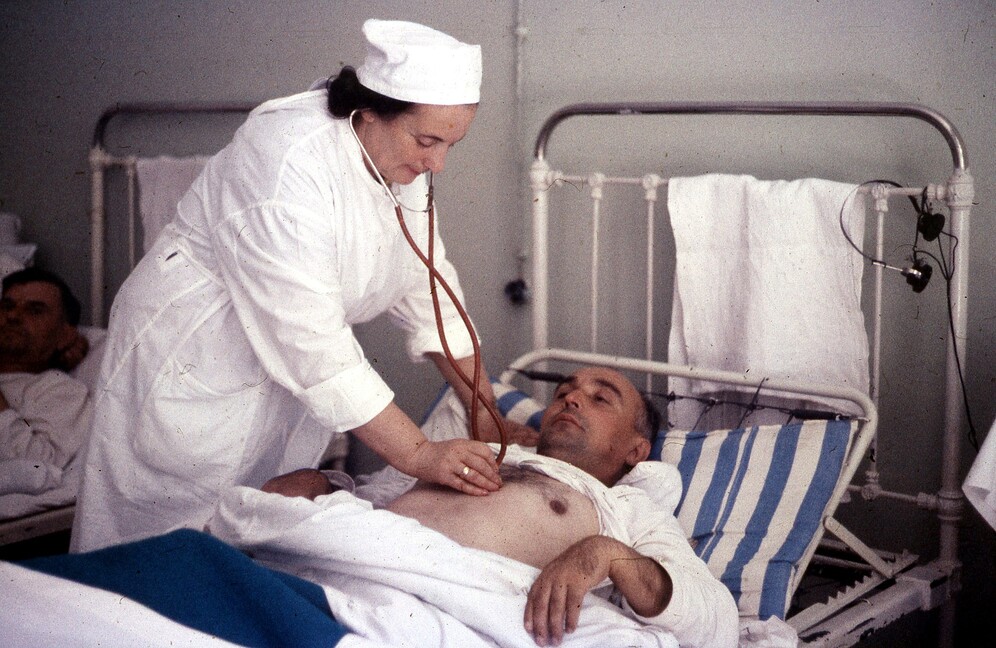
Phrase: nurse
(231, 356)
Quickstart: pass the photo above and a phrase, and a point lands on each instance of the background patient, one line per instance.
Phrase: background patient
(562, 511)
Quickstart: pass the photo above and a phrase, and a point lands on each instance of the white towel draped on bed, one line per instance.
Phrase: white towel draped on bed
(162, 181)
(765, 283)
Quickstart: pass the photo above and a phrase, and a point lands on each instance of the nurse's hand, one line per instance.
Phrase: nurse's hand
(464, 465)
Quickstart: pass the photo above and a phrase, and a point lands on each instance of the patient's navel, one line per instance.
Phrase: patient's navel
(558, 506)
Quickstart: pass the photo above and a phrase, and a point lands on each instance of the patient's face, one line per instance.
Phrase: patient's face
(592, 423)
(32, 324)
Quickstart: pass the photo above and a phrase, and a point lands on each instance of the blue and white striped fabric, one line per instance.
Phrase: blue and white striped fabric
(753, 500)
(513, 404)
(517, 406)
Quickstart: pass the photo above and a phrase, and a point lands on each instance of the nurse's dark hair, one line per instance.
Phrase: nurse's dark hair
(347, 94)
(70, 305)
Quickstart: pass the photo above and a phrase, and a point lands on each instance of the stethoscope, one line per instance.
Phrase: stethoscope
(427, 260)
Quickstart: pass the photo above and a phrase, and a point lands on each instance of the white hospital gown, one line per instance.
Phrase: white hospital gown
(231, 356)
(40, 434)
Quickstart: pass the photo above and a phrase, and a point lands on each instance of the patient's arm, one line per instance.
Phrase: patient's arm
(69, 357)
(554, 603)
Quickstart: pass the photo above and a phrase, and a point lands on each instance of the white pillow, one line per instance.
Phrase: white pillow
(9, 264)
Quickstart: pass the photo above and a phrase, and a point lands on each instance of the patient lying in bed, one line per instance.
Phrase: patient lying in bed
(578, 511)
(44, 412)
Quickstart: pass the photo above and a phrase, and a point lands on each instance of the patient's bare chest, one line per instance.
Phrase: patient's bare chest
(560, 499)
(533, 518)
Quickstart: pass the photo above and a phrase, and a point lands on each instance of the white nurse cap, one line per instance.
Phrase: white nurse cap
(412, 62)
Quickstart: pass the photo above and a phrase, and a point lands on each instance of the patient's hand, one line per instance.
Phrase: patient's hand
(69, 357)
(520, 434)
(305, 482)
(514, 432)
(554, 603)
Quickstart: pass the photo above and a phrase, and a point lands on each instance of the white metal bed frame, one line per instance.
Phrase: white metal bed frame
(896, 584)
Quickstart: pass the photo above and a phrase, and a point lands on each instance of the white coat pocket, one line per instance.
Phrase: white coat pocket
(205, 403)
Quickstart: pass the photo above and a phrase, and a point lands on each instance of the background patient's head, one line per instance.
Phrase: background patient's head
(599, 422)
(38, 317)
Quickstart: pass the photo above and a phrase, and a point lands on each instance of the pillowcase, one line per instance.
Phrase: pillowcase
(517, 406)
(753, 500)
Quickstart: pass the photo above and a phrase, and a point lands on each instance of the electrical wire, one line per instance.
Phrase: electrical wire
(801, 413)
(922, 210)
(948, 274)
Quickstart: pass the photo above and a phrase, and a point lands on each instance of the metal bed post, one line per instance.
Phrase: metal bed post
(951, 501)
(540, 239)
(98, 159)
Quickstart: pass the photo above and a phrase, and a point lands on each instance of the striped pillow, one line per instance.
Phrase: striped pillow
(753, 500)
(517, 406)
(513, 404)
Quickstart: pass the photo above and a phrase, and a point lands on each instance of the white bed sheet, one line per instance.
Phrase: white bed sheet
(392, 580)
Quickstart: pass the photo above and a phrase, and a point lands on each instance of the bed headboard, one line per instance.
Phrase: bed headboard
(955, 191)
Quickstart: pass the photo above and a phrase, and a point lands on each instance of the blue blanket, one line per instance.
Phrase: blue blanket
(203, 583)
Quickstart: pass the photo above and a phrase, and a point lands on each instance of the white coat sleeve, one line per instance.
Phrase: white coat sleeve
(702, 611)
(277, 262)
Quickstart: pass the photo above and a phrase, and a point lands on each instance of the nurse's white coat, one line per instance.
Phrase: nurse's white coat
(231, 356)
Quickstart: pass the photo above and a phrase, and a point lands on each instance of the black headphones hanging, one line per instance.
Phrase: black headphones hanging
(929, 225)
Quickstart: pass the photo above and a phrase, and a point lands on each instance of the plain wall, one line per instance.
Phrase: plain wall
(63, 63)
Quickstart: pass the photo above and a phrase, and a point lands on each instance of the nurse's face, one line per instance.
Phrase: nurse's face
(407, 145)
